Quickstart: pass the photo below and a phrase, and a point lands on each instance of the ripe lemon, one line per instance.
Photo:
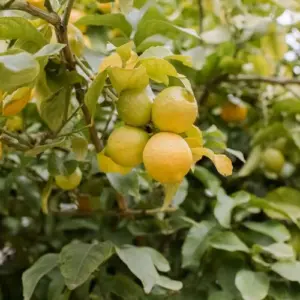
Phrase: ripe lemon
(167, 157)
(37, 3)
(174, 109)
(273, 160)
(134, 107)
(69, 182)
(125, 145)
(234, 113)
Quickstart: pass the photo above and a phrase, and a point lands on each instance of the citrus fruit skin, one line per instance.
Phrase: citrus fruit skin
(233, 113)
(69, 182)
(273, 160)
(125, 145)
(174, 110)
(167, 157)
(134, 107)
(37, 3)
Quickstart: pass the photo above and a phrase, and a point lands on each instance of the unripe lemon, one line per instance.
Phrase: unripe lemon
(167, 157)
(69, 182)
(234, 113)
(273, 160)
(174, 109)
(125, 145)
(134, 107)
(14, 123)
(76, 40)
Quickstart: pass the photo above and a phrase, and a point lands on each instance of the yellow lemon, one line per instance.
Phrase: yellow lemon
(125, 145)
(174, 109)
(233, 113)
(134, 107)
(37, 3)
(69, 182)
(167, 157)
(273, 160)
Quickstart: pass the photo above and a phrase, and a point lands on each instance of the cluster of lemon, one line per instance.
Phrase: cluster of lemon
(166, 155)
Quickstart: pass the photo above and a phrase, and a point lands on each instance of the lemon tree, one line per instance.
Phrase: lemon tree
(149, 150)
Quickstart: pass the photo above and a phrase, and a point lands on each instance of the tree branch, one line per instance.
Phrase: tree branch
(66, 16)
(51, 17)
(271, 80)
(201, 16)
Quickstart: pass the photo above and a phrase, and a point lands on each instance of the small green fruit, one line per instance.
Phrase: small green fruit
(273, 160)
(134, 107)
(69, 182)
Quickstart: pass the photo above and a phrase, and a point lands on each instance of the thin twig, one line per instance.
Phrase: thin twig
(49, 6)
(127, 212)
(201, 16)
(110, 94)
(271, 80)
(85, 70)
(17, 137)
(67, 13)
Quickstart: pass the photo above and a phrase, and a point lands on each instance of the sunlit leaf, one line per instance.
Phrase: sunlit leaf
(114, 60)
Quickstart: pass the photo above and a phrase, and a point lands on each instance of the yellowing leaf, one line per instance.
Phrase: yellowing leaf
(125, 50)
(222, 163)
(261, 65)
(193, 142)
(132, 61)
(107, 165)
(197, 154)
(170, 192)
(184, 59)
(113, 60)
(159, 69)
(195, 133)
(14, 103)
(126, 79)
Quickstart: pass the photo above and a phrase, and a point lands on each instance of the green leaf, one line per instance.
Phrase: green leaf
(124, 287)
(76, 224)
(271, 228)
(94, 92)
(158, 259)
(50, 49)
(126, 79)
(52, 109)
(56, 285)
(80, 147)
(237, 154)
(252, 285)
(228, 241)
(159, 69)
(284, 199)
(140, 264)
(12, 28)
(220, 295)
(290, 270)
(125, 184)
(126, 6)
(252, 162)
(111, 20)
(269, 133)
(169, 284)
(181, 193)
(79, 260)
(226, 204)
(289, 106)
(279, 251)
(218, 35)
(196, 244)
(40, 149)
(39, 269)
(210, 181)
(18, 70)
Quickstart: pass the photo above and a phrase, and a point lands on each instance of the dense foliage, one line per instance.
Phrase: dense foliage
(77, 225)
